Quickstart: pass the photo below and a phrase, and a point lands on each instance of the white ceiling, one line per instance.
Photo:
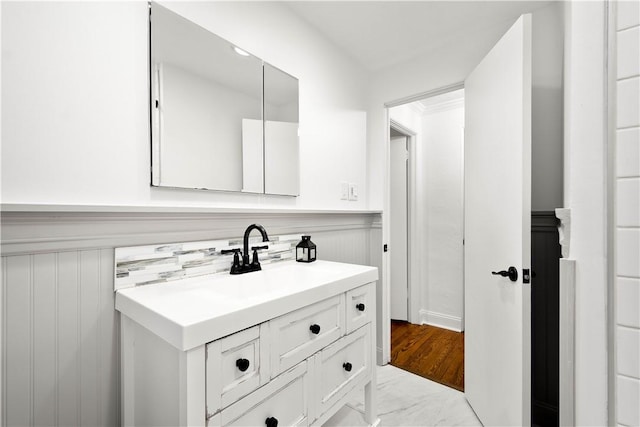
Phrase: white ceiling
(379, 34)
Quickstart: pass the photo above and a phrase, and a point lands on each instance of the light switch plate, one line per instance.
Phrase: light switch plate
(344, 190)
(353, 192)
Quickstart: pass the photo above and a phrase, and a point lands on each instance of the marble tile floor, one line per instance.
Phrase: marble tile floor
(405, 399)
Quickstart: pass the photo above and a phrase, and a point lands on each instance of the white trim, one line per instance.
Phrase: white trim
(423, 95)
(440, 320)
(566, 403)
(149, 209)
(443, 106)
(611, 72)
(38, 232)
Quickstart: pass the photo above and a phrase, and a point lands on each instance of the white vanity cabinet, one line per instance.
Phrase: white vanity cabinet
(290, 356)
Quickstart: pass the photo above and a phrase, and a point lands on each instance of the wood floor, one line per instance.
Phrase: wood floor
(433, 353)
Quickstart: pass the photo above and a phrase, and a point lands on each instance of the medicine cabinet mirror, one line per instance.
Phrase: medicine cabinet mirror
(221, 119)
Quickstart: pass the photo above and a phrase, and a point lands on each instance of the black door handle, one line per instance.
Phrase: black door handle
(315, 329)
(512, 273)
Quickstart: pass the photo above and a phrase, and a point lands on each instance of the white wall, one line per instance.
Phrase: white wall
(584, 194)
(627, 207)
(547, 118)
(442, 137)
(75, 93)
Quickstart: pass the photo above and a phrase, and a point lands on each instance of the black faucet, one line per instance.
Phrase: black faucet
(246, 266)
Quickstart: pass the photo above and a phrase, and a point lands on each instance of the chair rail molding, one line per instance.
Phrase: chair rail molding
(28, 232)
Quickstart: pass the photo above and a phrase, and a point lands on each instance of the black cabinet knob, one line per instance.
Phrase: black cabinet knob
(347, 366)
(242, 364)
(315, 329)
(360, 306)
(271, 422)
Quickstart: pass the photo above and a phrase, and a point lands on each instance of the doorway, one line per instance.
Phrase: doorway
(426, 236)
(399, 217)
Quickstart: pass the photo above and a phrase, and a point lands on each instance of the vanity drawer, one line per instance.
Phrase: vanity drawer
(236, 366)
(342, 365)
(297, 335)
(360, 306)
(284, 398)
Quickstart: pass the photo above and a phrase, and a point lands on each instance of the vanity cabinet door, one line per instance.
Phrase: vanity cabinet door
(284, 399)
(236, 366)
(360, 306)
(297, 335)
(341, 366)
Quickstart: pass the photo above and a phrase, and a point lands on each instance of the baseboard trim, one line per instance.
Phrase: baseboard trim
(440, 320)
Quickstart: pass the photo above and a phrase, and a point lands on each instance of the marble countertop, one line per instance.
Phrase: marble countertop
(191, 312)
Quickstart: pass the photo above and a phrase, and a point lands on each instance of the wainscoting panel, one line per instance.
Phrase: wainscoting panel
(60, 339)
(60, 332)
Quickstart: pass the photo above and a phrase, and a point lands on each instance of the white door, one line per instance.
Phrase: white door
(398, 239)
(497, 230)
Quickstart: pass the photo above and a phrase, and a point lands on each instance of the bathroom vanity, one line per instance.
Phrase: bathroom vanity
(288, 345)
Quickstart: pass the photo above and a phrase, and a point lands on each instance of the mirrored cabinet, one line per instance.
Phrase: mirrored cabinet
(221, 118)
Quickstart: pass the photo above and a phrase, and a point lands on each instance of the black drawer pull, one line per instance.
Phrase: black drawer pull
(360, 306)
(315, 329)
(242, 364)
(347, 366)
(271, 422)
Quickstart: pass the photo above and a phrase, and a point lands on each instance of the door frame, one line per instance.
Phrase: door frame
(384, 327)
(413, 290)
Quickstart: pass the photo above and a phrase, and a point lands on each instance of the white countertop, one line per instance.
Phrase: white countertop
(191, 312)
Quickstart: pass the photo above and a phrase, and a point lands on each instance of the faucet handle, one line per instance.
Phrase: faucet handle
(235, 267)
(255, 263)
(231, 251)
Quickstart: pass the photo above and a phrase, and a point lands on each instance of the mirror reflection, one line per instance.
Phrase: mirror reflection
(280, 132)
(208, 129)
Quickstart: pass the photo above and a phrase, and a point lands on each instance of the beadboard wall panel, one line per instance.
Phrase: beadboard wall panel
(60, 339)
(60, 332)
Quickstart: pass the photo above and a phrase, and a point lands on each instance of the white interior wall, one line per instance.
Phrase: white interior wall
(627, 208)
(442, 138)
(546, 111)
(75, 94)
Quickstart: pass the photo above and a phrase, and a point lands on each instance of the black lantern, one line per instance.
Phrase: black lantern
(306, 250)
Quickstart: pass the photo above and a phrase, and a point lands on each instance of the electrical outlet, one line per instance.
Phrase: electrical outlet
(344, 193)
(353, 192)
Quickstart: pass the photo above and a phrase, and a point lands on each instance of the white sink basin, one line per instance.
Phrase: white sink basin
(191, 312)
